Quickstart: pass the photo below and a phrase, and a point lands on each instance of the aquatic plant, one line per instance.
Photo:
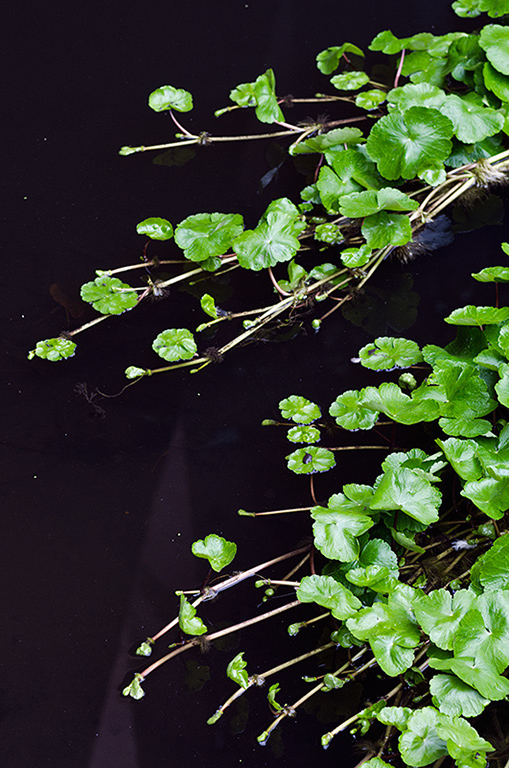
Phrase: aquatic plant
(406, 144)
(409, 574)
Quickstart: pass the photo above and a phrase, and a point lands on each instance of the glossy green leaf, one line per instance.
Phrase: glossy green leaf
(471, 122)
(476, 673)
(156, 229)
(328, 60)
(387, 353)
(472, 315)
(416, 95)
(303, 435)
(420, 744)
(262, 95)
(168, 97)
(205, 235)
(462, 455)
(134, 688)
(306, 461)
(332, 188)
(299, 409)
(384, 228)
(338, 526)
(492, 275)
(175, 344)
(403, 144)
(53, 349)
(389, 399)
(271, 697)
(236, 671)
(494, 565)
(406, 490)
(388, 43)
(454, 697)
(274, 240)
(332, 683)
(133, 372)
(217, 550)
(354, 258)
(109, 295)
(189, 622)
(376, 762)
(349, 412)
(484, 631)
(394, 648)
(360, 204)
(464, 744)
(377, 567)
(494, 39)
(370, 99)
(489, 495)
(208, 305)
(328, 233)
(324, 142)
(330, 594)
(350, 81)
(398, 717)
(471, 8)
(495, 81)
(439, 613)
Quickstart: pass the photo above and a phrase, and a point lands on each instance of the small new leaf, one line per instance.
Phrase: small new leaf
(168, 97)
(134, 688)
(189, 622)
(53, 349)
(217, 550)
(236, 671)
(156, 229)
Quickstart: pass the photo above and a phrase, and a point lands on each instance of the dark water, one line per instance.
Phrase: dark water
(99, 513)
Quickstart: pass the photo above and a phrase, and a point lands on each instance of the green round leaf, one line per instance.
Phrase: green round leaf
(385, 228)
(350, 413)
(274, 240)
(156, 229)
(206, 235)
(494, 39)
(303, 435)
(370, 99)
(307, 461)
(109, 295)
(495, 81)
(328, 60)
(355, 258)
(329, 593)
(471, 122)
(350, 81)
(416, 95)
(492, 275)
(299, 409)
(387, 353)
(454, 697)
(175, 344)
(53, 349)
(472, 315)
(217, 550)
(328, 233)
(168, 97)
(420, 744)
(403, 144)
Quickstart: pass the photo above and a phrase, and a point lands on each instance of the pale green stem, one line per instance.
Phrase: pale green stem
(360, 448)
(209, 637)
(312, 692)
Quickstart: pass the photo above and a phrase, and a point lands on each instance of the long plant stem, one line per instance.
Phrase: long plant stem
(209, 637)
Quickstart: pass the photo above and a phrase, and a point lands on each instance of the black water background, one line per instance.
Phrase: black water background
(99, 513)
